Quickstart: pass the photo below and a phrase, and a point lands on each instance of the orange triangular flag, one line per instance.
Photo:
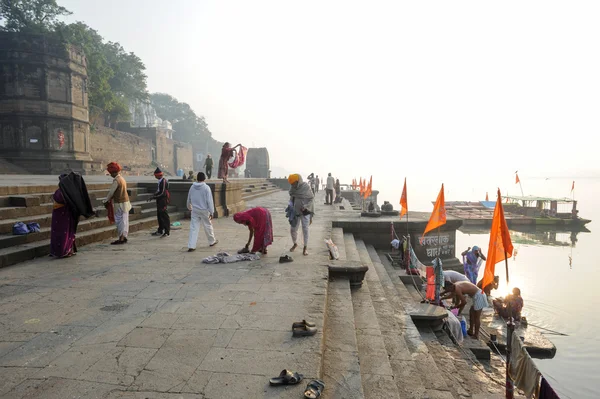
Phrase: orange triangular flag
(486, 197)
(361, 187)
(369, 188)
(438, 216)
(403, 201)
(517, 181)
(573, 186)
(500, 246)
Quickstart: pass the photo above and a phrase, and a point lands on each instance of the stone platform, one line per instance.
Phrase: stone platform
(150, 317)
(149, 320)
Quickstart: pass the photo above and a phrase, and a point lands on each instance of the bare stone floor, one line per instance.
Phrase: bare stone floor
(149, 320)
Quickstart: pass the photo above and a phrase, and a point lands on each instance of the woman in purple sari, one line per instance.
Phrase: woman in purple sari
(71, 200)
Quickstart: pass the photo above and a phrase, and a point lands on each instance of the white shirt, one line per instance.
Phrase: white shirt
(454, 276)
(200, 198)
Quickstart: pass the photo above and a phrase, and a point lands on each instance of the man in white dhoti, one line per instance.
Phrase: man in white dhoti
(200, 202)
(120, 198)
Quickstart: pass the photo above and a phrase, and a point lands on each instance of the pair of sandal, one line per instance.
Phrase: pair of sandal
(287, 377)
(304, 328)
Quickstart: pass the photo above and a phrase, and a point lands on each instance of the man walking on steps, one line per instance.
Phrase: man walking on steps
(162, 198)
(208, 165)
(200, 202)
(329, 190)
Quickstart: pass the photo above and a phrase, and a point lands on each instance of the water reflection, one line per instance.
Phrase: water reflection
(556, 237)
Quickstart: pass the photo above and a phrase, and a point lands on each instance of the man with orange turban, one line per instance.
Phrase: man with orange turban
(118, 195)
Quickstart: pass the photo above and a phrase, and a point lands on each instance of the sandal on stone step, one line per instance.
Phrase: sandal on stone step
(303, 330)
(314, 389)
(286, 377)
(298, 324)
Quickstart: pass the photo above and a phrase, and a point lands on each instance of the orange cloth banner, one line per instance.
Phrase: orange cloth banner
(403, 201)
(500, 246)
(438, 216)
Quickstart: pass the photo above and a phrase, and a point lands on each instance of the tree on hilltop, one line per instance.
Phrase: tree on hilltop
(187, 125)
(30, 16)
(115, 76)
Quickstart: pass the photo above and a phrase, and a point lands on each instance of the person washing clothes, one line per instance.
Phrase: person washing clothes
(472, 259)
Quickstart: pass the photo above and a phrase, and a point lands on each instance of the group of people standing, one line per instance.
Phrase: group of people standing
(331, 186)
(71, 200)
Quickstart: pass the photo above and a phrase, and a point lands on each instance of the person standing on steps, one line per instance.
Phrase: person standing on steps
(200, 202)
(208, 165)
(329, 190)
(472, 259)
(119, 196)
(162, 198)
(317, 183)
(300, 210)
(226, 152)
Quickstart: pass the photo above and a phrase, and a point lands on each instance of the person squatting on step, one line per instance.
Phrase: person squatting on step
(300, 210)
(200, 202)
(162, 198)
(118, 194)
(460, 289)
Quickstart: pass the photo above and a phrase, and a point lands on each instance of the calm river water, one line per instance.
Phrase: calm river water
(558, 283)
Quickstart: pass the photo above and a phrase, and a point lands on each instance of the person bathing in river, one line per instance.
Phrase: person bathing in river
(491, 286)
(260, 226)
(459, 292)
(511, 305)
(472, 259)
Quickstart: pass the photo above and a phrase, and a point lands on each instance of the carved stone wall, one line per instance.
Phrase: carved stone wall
(44, 121)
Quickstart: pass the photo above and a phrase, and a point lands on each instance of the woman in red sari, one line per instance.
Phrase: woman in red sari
(260, 225)
(226, 152)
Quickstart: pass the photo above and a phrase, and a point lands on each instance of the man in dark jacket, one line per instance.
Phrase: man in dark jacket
(162, 202)
(208, 165)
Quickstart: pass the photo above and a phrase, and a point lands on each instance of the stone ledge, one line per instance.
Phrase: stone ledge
(354, 271)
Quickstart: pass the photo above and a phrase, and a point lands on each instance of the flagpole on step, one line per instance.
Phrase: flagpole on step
(437, 293)
(510, 327)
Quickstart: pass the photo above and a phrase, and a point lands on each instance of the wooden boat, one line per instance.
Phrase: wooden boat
(546, 211)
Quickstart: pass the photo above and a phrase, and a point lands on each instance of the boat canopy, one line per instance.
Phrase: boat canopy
(541, 199)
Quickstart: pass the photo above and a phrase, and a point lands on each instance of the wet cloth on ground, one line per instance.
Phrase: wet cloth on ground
(224, 257)
(454, 326)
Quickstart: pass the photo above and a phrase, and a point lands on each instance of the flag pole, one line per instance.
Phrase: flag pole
(506, 263)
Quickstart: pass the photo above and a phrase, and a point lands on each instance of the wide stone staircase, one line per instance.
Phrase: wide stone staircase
(33, 203)
(373, 349)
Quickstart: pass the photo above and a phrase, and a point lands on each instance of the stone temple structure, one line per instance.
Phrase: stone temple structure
(44, 121)
(257, 163)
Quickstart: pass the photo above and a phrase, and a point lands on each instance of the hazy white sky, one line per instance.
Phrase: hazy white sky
(390, 88)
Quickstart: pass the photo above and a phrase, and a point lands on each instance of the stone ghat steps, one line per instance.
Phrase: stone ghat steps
(41, 203)
(99, 221)
(45, 218)
(20, 253)
(341, 365)
(50, 188)
(461, 371)
(373, 349)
